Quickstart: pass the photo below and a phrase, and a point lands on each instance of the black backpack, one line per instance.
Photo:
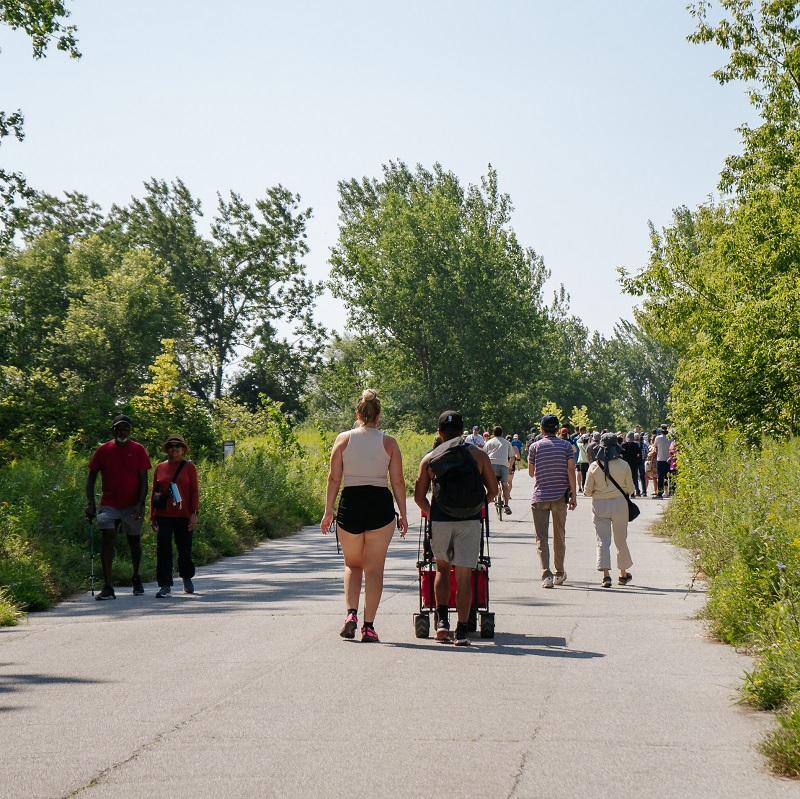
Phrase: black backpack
(457, 485)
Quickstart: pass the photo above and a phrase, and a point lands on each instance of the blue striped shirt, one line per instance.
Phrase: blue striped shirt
(552, 458)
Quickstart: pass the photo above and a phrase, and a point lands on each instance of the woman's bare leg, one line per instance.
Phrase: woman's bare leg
(353, 549)
(376, 546)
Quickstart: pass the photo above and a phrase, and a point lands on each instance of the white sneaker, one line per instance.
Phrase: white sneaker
(560, 580)
(547, 582)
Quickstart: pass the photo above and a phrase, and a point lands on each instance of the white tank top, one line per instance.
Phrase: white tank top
(365, 461)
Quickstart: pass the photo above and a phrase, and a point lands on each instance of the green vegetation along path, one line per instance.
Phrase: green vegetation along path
(246, 690)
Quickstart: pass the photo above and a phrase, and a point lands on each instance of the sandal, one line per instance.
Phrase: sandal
(626, 579)
(606, 582)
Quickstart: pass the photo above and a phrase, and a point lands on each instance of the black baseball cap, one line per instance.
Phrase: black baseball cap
(550, 422)
(451, 420)
(122, 419)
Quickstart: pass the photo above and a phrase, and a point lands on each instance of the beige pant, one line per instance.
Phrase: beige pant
(542, 511)
(609, 514)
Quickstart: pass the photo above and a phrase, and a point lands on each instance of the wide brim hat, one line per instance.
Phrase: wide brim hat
(175, 437)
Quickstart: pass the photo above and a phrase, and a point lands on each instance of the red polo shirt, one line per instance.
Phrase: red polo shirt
(120, 467)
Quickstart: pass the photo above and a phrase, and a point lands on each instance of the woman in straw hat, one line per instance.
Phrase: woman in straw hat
(173, 513)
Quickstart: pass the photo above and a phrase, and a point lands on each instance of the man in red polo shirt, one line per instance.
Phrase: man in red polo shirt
(124, 465)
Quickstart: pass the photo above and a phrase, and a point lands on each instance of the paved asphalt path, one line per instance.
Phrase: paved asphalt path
(246, 690)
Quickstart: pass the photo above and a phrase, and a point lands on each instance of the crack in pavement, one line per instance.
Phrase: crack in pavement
(523, 764)
(246, 685)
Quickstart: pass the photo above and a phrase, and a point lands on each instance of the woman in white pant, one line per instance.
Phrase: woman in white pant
(610, 508)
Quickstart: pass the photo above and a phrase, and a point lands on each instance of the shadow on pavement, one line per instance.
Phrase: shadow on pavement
(302, 567)
(507, 644)
(28, 683)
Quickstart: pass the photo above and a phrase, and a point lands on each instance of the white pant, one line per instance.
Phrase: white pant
(608, 514)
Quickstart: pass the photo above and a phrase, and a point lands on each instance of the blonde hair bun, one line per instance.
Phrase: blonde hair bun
(369, 406)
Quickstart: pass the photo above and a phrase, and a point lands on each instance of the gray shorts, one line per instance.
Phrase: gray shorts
(458, 542)
(107, 519)
(500, 472)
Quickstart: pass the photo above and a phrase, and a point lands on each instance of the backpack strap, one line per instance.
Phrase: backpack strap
(175, 476)
(608, 475)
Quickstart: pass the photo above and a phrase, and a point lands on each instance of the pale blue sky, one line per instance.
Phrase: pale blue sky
(597, 116)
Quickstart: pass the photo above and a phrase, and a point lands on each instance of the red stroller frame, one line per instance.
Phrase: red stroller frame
(426, 566)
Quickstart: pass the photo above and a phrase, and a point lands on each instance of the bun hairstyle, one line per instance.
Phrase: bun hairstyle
(369, 406)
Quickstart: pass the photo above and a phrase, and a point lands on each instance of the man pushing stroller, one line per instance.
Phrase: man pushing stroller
(463, 480)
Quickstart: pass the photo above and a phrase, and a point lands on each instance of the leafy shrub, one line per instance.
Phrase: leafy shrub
(737, 510)
(10, 614)
(270, 487)
(782, 746)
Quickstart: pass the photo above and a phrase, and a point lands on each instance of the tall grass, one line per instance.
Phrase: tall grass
(260, 492)
(272, 485)
(738, 510)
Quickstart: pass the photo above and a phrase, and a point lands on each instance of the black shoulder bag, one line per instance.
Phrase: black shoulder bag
(633, 508)
(160, 498)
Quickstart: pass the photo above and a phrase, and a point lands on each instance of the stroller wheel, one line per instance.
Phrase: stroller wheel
(472, 621)
(422, 625)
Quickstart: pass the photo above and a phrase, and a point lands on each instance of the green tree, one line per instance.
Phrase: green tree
(164, 406)
(348, 367)
(433, 273)
(235, 286)
(280, 370)
(551, 408)
(645, 367)
(43, 21)
(35, 284)
(74, 217)
(763, 40)
(580, 418)
(113, 328)
(723, 288)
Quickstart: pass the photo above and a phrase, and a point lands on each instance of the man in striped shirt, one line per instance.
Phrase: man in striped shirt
(551, 463)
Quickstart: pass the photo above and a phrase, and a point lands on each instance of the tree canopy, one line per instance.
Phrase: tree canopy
(43, 21)
(434, 272)
(723, 282)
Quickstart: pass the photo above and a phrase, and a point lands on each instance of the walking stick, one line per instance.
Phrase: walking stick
(91, 550)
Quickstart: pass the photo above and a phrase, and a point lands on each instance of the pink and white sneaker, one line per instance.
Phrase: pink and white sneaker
(368, 635)
(350, 626)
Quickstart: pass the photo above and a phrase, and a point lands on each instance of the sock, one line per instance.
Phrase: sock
(354, 611)
(461, 626)
(443, 613)
(368, 624)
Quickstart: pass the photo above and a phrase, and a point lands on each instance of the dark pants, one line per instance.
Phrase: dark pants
(642, 481)
(663, 469)
(635, 475)
(179, 528)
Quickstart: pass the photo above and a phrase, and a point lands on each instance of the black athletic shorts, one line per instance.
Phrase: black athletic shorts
(365, 508)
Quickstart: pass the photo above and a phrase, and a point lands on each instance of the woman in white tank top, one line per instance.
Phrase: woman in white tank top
(367, 461)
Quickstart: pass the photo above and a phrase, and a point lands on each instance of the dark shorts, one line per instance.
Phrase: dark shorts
(364, 508)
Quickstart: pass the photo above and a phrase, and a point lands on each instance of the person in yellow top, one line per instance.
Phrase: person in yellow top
(610, 508)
